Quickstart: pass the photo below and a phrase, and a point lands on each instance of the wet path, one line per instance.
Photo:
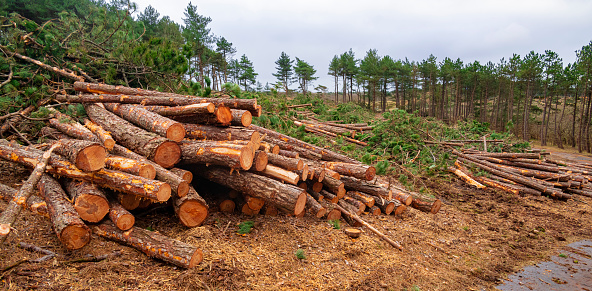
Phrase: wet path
(571, 270)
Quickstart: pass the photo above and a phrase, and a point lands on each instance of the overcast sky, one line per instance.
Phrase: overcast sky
(315, 31)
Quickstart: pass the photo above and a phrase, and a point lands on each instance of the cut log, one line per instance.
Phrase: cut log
(426, 206)
(193, 109)
(217, 153)
(128, 201)
(361, 186)
(200, 131)
(398, 207)
(66, 223)
(35, 204)
(87, 156)
(302, 185)
(289, 154)
(332, 212)
(510, 155)
(332, 174)
(119, 181)
(384, 205)
(367, 200)
(354, 170)
(315, 207)
(270, 210)
(260, 161)
(304, 173)
(347, 213)
(241, 117)
(281, 174)
(191, 209)
(374, 210)
(52, 133)
(134, 167)
(104, 136)
(122, 218)
(222, 116)
(56, 70)
(227, 206)
(19, 199)
(159, 149)
(352, 232)
(254, 203)
(89, 201)
(289, 164)
(334, 186)
(149, 121)
(466, 178)
(187, 176)
(328, 196)
(287, 197)
(153, 244)
(357, 204)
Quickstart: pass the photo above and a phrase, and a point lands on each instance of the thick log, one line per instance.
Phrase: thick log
(361, 186)
(304, 173)
(87, 156)
(122, 218)
(193, 109)
(159, 149)
(104, 136)
(89, 201)
(334, 186)
(315, 207)
(187, 176)
(398, 207)
(34, 204)
(200, 131)
(426, 206)
(241, 117)
(289, 164)
(290, 143)
(66, 223)
(19, 199)
(281, 174)
(191, 209)
(153, 244)
(401, 195)
(359, 171)
(466, 178)
(367, 200)
(169, 99)
(287, 197)
(217, 153)
(134, 167)
(289, 154)
(222, 116)
(126, 183)
(148, 120)
(332, 174)
(254, 203)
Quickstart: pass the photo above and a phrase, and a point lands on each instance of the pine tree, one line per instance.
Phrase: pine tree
(284, 71)
(305, 74)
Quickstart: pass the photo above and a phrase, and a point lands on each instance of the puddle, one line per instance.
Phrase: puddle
(571, 270)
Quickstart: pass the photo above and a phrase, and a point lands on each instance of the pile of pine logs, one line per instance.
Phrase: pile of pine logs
(140, 148)
(525, 173)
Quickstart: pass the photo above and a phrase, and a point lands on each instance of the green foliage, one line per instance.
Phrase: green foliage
(335, 223)
(299, 253)
(245, 227)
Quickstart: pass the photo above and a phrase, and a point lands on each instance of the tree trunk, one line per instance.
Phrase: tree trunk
(68, 226)
(87, 156)
(359, 171)
(360, 186)
(289, 164)
(367, 200)
(222, 116)
(153, 244)
(281, 174)
(89, 201)
(217, 153)
(334, 186)
(241, 117)
(193, 109)
(198, 131)
(134, 167)
(122, 218)
(104, 136)
(315, 207)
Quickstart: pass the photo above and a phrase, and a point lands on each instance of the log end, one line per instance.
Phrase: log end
(246, 157)
(211, 108)
(400, 209)
(408, 200)
(192, 213)
(322, 175)
(164, 192)
(436, 206)
(370, 173)
(334, 215)
(300, 166)
(271, 210)
(375, 211)
(389, 208)
(176, 132)
(75, 236)
(300, 203)
(4, 229)
(317, 187)
(261, 160)
(227, 206)
(167, 154)
(341, 191)
(246, 119)
(303, 185)
(91, 158)
(321, 212)
(128, 201)
(147, 171)
(223, 115)
(255, 137)
(352, 232)
(305, 173)
(125, 221)
(109, 144)
(91, 208)
(182, 189)
(275, 149)
(196, 258)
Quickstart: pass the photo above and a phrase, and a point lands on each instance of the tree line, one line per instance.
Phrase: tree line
(536, 95)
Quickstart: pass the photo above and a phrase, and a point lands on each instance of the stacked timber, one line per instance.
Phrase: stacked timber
(525, 173)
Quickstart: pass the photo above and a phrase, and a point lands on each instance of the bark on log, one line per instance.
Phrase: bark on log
(217, 153)
(56, 70)
(153, 244)
(66, 223)
(509, 155)
(367, 200)
(357, 204)
(347, 215)
(332, 174)
(334, 186)
(148, 120)
(359, 171)
(281, 174)
(400, 195)
(193, 109)
(304, 173)
(289, 154)
(89, 201)
(104, 136)
(200, 131)
(222, 116)
(330, 134)
(122, 218)
(324, 127)
(512, 163)
(19, 199)
(289, 198)
(35, 204)
(241, 117)
(583, 192)
(254, 203)
(385, 206)
(361, 186)
(191, 209)
(328, 196)
(162, 151)
(399, 207)
(426, 206)
(187, 176)
(315, 207)
(87, 156)
(332, 213)
(289, 164)
(126, 183)
(374, 210)
(270, 210)
(466, 178)
(134, 167)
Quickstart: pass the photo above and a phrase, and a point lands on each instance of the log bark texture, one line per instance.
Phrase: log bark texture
(200, 131)
(217, 153)
(104, 136)
(122, 218)
(149, 121)
(87, 156)
(359, 171)
(241, 117)
(361, 186)
(35, 204)
(134, 167)
(201, 108)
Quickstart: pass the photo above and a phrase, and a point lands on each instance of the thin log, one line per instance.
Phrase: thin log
(56, 70)
(332, 213)
(367, 200)
(222, 116)
(361, 186)
(193, 109)
(289, 154)
(332, 174)
(122, 218)
(217, 153)
(281, 174)
(241, 117)
(334, 186)
(227, 206)
(153, 244)
(323, 132)
(34, 204)
(159, 149)
(129, 201)
(357, 204)
(68, 226)
(289, 164)
(187, 176)
(89, 201)
(134, 167)
(359, 171)
(260, 161)
(299, 105)
(19, 199)
(374, 210)
(148, 120)
(385, 206)
(104, 136)
(509, 155)
(254, 203)
(191, 209)
(466, 178)
(328, 196)
(398, 207)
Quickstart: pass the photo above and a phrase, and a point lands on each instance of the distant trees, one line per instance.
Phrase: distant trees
(305, 73)
(287, 73)
(284, 73)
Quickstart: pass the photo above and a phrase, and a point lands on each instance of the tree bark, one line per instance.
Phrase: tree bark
(289, 164)
(162, 151)
(222, 116)
(193, 109)
(68, 226)
(191, 209)
(153, 244)
(87, 156)
(241, 117)
(289, 154)
(315, 207)
(89, 201)
(367, 200)
(187, 176)
(360, 186)
(217, 153)
(354, 170)
(334, 186)
(104, 136)
(208, 132)
(281, 174)
(35, 204)
(122, 218)
(134, 167)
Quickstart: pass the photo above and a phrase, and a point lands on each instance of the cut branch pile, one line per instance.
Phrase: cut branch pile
(124, 155)
(525, 173)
